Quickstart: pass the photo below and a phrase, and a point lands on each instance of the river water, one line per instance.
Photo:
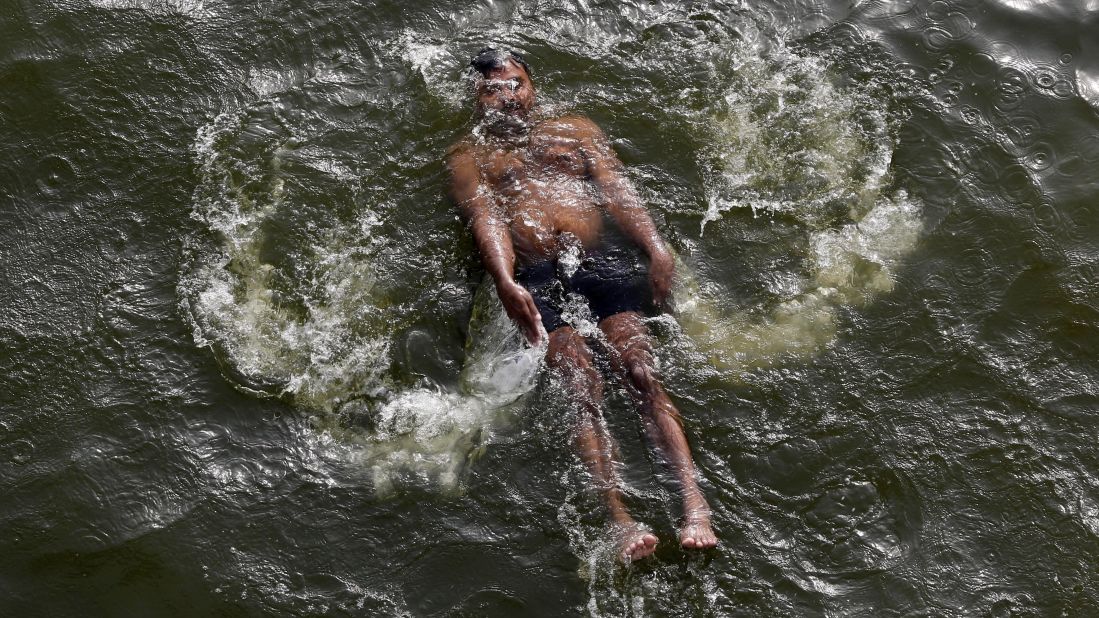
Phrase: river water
(249, 366)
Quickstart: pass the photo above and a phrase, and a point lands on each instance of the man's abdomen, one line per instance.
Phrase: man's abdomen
(541, 232)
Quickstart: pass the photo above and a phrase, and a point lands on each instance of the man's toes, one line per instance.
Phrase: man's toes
(649, 540)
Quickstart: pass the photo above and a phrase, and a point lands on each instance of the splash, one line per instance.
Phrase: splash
(314, 352)
(312, 318)
(793, 145)
(427, 436)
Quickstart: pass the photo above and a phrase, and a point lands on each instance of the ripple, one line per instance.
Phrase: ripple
(1015, 185)
(981, 163)
(1012, 86)
(1023, 129)
(19, 451)
(1040, 157)
(1046, 216)
(55, 174)
(1088, 148)
(862, 526)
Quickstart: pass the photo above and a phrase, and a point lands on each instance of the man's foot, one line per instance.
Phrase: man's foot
(696, 532)
(635, 541)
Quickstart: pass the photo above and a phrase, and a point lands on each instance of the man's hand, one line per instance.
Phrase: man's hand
(520, 307)
(662, 274)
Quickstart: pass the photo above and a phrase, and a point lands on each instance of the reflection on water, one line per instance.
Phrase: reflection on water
(884, 346)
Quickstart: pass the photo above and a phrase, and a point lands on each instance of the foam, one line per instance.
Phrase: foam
(791, 144)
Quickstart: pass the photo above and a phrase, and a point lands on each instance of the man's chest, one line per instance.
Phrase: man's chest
(547, 158)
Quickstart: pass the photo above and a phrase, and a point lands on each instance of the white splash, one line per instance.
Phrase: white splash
(792, 144)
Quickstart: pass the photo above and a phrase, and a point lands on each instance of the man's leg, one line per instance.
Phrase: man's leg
(570, 358)
(632, 356)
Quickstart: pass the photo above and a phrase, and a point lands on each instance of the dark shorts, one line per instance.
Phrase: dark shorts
(611, 280)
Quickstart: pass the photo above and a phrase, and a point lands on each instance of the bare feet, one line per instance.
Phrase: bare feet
(696, 532)
(635, 541)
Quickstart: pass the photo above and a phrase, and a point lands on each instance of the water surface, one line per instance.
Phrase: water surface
(249, 365)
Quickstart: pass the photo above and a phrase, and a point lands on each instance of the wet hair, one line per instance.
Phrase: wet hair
(491, 58)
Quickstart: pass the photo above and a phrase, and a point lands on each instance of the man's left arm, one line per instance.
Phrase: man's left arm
(625, 207)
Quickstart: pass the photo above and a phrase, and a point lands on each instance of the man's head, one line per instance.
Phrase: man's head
(503, 86)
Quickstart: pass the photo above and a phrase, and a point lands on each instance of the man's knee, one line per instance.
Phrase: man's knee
(567, 348)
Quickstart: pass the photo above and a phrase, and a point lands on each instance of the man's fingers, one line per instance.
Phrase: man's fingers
(535, 320)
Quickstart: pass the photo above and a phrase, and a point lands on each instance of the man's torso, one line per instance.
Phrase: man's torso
(544, 186)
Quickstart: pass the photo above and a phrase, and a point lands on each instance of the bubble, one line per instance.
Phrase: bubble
(982, 64)
(1065, 58)
(1040, 157)
(847, 34)
(1011, 80)
(1011, 86)
(970, 114)
(937, 38)
(958, 25)
(937, 10)
(1064, 89)
(1045, 78)
(1004, 52)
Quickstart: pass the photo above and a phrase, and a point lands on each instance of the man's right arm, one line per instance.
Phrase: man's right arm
(492, 235)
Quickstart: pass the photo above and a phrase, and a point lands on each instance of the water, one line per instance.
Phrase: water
(250, 366)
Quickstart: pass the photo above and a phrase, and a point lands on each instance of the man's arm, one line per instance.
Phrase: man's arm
(625, 207)
(493, 239)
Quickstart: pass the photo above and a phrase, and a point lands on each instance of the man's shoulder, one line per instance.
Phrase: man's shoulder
(463, 149)
(574, 126)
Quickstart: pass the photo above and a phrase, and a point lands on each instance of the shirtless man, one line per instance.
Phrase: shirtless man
(556, 220)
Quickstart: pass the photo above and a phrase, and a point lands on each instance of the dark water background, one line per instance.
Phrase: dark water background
(225, 248)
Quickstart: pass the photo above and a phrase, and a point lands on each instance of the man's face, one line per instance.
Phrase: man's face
(507, 91)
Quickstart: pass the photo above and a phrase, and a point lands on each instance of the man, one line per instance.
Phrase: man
(559, 226)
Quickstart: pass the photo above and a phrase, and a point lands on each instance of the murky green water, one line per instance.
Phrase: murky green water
(248, 366)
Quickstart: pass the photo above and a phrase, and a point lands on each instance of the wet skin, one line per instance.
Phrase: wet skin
(531, 189)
